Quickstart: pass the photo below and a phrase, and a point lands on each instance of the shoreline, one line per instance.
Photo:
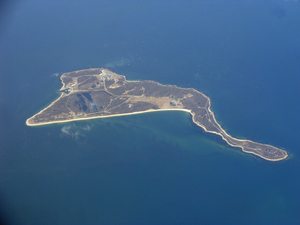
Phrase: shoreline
(238, 146)
(160, 110)
(231, 141)
(107, 116)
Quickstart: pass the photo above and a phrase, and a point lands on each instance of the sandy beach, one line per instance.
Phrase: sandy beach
(159, 110)
(99, 117)
(234, 142)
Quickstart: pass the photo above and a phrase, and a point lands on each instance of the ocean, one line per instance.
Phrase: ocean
(153, 168)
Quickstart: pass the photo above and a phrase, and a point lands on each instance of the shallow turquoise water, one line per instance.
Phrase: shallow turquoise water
(157, 167)
(147, 167)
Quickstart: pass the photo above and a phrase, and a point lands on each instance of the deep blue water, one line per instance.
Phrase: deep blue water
(155, 168)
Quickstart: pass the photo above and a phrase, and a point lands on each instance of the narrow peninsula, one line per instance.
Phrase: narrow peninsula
(99, 93)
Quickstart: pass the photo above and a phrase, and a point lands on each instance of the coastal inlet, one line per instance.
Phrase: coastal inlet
(99, 93)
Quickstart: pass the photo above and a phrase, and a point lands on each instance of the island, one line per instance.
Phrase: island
(99, 93)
